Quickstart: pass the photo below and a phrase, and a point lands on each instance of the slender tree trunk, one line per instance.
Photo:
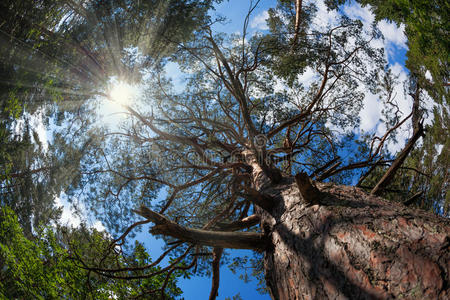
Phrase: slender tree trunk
(351, 245)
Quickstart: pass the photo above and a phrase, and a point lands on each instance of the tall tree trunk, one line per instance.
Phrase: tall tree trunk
(324, 241)
(351, 245)
(338, 242)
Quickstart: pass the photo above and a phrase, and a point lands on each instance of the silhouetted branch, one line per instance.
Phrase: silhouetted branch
(413, 198)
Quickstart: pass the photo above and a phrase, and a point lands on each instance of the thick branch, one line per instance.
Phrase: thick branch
(264, 201)
(235, 240)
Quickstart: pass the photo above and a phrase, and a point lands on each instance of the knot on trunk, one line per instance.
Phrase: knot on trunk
(308, 190)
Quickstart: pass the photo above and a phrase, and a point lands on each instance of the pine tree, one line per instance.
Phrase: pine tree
(236, 156)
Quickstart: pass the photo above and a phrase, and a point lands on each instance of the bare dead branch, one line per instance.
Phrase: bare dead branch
(238, 225)
(324, 167)
(413, 199)
(329, 172)
(390, 173)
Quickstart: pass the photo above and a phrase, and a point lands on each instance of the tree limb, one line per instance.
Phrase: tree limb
(223, 239)
(309, 192)
(411, 200)
(298, 12)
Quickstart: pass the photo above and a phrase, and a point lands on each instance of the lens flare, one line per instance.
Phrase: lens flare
(122, 93)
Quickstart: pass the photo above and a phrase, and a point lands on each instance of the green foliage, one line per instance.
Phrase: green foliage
(235, 297)
(427, 29)
(45, 268)
(34, 269)
(13, 107)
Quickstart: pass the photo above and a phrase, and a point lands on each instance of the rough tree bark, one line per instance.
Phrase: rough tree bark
(338, 242)
(351, 245)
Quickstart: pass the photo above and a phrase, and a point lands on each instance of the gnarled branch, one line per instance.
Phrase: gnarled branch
(238, 225)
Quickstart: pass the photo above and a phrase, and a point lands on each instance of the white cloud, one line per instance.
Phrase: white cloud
(428, 76)
(438, 148)
(308, 77)
(99, 226)
(280, 86)
(404, 101)
(429, 105)
(323, 18)
(371, 113)
(356, 11)
(69, 216)
(38, 125)
(393, 34)
(259, 21)
(394, 37)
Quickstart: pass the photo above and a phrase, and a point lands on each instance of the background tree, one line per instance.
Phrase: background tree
(44, 268)
(55, 55)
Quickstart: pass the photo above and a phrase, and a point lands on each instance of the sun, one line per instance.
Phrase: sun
(118, 97)
(122, 93)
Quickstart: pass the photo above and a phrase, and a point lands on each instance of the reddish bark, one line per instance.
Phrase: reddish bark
(353, 246)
